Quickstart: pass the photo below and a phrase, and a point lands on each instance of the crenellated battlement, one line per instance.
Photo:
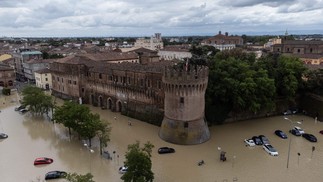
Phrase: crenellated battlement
(184, 88)
(192, 74)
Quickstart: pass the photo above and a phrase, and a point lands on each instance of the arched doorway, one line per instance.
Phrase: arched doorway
(119, 106)
(47, 86)
(109, 104)
(100, 102)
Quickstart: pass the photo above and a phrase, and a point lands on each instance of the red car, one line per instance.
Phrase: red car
(43, 160)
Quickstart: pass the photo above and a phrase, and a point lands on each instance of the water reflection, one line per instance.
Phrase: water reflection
(33, 136)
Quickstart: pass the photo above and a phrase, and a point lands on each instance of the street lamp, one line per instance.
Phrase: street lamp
(91, 152)
(290, 138)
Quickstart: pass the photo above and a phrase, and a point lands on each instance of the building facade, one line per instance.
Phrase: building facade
(153, 43)
(7, 76)
(174, 52)
(310, 52)
(21, 57)
(43, 79)
(223, 42)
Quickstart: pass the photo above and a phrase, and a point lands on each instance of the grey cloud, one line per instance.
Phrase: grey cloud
(244, 3)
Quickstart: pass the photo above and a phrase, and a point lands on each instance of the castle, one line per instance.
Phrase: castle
(162, 93)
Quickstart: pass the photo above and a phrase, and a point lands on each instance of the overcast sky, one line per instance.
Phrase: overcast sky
(56, 18)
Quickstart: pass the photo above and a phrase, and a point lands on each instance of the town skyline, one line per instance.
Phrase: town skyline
(125, 18)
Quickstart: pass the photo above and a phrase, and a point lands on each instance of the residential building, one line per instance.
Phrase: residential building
(311, 52)
(153, 43)
(21, 57)
(43, 79)
(174, 52)
(7, 76)
(223, 42)
(33, 65)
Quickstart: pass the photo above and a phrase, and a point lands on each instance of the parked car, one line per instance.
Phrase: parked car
(309, 137)
(43, 160)
(281, 134)
(264, 139)
(257, 140)
(165, 150)
(123, 169)
(20, 107)
(55, 175)
(301, 131)
(287, 112)
(270, 149)
(23, 111)
(321, 132)
(249, 142)
(295, 132)
(3, 136)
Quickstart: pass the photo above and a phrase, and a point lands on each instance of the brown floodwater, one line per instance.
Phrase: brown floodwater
(31, 137)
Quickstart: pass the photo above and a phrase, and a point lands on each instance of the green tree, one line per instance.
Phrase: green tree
(287, 71)
(314, 81)
(104, 135)
(235, 84)
(80, 119)
(37, 101)
(139, 163)
(74, 177)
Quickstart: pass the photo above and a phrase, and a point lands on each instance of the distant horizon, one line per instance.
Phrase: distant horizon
(139, 18)
(276, 33)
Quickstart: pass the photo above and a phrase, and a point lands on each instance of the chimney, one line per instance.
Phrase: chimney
(219, 32)
(226, 34)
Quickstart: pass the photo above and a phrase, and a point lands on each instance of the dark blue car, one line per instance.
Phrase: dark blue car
(281, 134)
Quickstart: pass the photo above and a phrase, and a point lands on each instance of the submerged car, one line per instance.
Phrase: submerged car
(20, 107)
(123, 169)
(249, 142)
(264, 139)
(281, 134)
(295, 132)
(3, 136)
(257, 140)
(270, 149)
(23, 111)
(300, 130)
(309, 137)
(43, 160)
(55, 175)
(165, 150)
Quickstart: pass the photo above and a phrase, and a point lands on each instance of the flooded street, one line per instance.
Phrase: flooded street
(31, 137)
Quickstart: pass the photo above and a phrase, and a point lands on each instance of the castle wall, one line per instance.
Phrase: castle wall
(183, 121)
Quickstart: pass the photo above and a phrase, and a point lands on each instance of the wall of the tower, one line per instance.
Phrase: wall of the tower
(183, 121)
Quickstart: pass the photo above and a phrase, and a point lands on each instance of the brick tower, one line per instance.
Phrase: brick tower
(183, 121)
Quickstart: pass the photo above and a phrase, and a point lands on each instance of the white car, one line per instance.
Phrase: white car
(270, 149)
(249, 142)
(123, 169)
(300, 130)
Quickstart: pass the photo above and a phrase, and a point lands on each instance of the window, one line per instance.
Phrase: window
(74, 82)
(69, 81)
(46, 79)
(62, 80)
(100, 76)
(311, 50)
(181, 100)
(141, 82)
(298, 50)
(148, 83)
(58, 79)
(129, 80)
(83, 90)
(159, 84)
(53, 77)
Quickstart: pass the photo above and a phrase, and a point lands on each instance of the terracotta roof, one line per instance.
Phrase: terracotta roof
(33, 61)
(156, 67)
(310, 56)
(4, 67)
(42, 71)
(302, 42)
(111, 56)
